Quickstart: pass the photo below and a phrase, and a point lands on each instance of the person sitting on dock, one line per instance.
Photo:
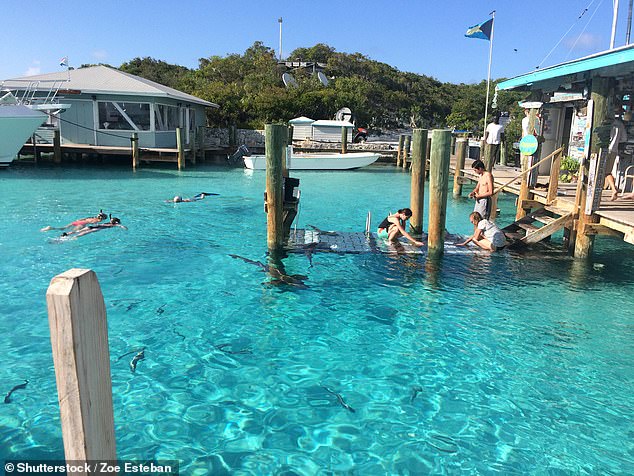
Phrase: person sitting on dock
(113, 223)
(393, 227)
(195, 198)
(486, 234)
(483, 191)
(82, 222)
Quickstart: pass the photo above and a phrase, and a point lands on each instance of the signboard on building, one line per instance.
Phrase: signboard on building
(596, 177)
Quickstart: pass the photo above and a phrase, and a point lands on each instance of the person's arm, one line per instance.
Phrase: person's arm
(124, 227)
(474, 192)
(407, 235)
(488, 187)
(477, 235)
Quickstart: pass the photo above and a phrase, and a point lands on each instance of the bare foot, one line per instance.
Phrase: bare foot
(615, 195)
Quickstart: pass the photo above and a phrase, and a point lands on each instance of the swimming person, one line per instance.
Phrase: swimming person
(483, 190)
(393, 227)
(113, 223)
(195, 198)
(82, 222)
(486, 234)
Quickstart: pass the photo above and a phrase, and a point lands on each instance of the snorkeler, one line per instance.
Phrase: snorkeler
(113, 223)
(78, 224)
(195, 198)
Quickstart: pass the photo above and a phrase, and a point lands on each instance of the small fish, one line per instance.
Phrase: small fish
(7, 398)
(135, 360)
(322, 232)
(415, 391)
(160, 309)
(221, 348)
(339, 399)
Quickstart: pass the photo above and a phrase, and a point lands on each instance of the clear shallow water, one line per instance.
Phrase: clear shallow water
(510, 364)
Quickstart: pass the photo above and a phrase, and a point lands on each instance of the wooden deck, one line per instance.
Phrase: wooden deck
(616, 217)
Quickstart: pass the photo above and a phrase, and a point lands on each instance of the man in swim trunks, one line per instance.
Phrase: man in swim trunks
(483, 191)
(393, 227)
(82, 222)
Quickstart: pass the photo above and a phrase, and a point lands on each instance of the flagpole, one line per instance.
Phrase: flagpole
(486, 106)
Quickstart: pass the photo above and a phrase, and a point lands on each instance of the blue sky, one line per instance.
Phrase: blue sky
(424, 36)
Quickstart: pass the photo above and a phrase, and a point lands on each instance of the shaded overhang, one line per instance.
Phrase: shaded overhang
(613, 63)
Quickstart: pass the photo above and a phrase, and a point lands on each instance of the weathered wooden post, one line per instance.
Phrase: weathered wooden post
(406, 148)
(344, 140)
(461, 153)
(35, 152)
(201, 142)
(438, 176)
(135, 150)
(417, 198)
(553, 181)
(399, 152)
(427, 159)
(179, 146)
(57, 147)
(275, 143)
(602, 90)
(79, 338)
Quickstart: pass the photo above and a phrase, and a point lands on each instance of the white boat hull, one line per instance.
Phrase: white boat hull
(317, 161)
(17, 124)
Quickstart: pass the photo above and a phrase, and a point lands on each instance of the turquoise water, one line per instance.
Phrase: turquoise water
(505, 363)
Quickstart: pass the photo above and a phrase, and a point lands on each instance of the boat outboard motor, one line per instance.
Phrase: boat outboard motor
(236, 157)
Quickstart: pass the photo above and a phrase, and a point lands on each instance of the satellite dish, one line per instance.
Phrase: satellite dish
(322, 78)
(289, 81)
(343, 114)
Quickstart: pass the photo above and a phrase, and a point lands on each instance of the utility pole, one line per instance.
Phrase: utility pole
(615, 16)
(629, 23)
(280, 22)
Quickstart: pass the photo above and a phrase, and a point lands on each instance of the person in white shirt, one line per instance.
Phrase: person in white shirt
(618, 135)
(526, 129)
(486, 234)
(493, 136)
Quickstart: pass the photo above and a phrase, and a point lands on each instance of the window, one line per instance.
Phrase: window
(124, 116)
(166, 118)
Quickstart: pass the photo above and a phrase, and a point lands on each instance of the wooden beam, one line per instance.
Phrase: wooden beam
(599, 229)
(79, 338)
(417, 195)
(399, 153)
(438, 188)
(275, 145)
(458, 175)
(406, 149)
(57, 147)
(179, 147)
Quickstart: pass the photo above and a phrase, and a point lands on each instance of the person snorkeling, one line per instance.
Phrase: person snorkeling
(393, 227)
(113, 223)
(195, 198)
(78, 224)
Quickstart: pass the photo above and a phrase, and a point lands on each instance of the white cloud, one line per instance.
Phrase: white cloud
(33, 69)
(586, 41)
(100, 55)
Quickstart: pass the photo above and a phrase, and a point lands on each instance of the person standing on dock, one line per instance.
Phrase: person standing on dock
(483, 191)
(393, 227)
(494, 136)
(618, 136)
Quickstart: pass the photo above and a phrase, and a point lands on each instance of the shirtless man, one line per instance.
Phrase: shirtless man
(483, 191)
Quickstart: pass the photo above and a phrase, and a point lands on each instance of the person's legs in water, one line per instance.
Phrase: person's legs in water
(393, 233)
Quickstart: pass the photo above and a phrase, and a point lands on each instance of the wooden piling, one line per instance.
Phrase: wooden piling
(458, 176)
(406, 148)
(553, 181)
(179, 146)
(57, 147)
(344, 140)
(201, 142)
(193, 146)
(399, 151)
(602, 90)
(79, 338)
(275, 144)
(427, 158)
(35, 153)
(438, 176)
(135, 150)
(417, 195)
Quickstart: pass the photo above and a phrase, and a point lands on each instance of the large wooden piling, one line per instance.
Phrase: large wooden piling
(458, 177)
(275, 143)
(406, 148)
(602, 90)
(417, 195)
(79, 338)
(399, 151)
(57, 147)
(344, 140)
(427, 159)
(135, 150)
(438, 177)
(179, 146)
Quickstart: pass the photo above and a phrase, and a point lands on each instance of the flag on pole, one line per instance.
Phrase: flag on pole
(481, 30)
(64, 61)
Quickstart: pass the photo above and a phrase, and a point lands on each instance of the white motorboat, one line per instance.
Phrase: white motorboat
(17, 124)
(316, 160)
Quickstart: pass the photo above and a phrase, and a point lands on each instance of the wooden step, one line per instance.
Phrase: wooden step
(545, 231)
(545, 219)
(527, 226)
